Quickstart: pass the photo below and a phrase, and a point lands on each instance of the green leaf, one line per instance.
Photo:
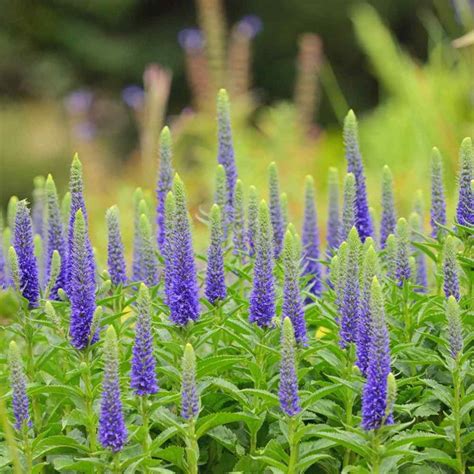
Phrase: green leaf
(353, 441)
(417, 438)
(52, 443)
(208, 422)
(318, 394)
(212, 364)
(436, 455)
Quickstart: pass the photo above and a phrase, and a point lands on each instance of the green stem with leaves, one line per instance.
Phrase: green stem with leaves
(27, 449)
(89, 399)
(293, 442)
(145, 427)
(192, 448)
(457, 416)
(375, 464)
(349, 397)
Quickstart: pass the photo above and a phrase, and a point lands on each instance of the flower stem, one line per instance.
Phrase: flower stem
(457, 417)
(89, 399)
(349, 398)
(192, 449)
(145, 423)
(375, 467)
(27, 449)
(292, 426)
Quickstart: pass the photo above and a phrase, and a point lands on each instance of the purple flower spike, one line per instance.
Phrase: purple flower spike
(455, 337)
(451, 268)
(168, 247)
(54, 237)
(292, 306)
(20, 402)
(275, 209)
(112, 430)
(402, 236)
(115, 257)
(184, 294)
(225, 154)
(355, 166)
(81, 286)
(76, 188)
(389, 219)
(252, 220)
(165, 183)
(310, 241)
(370, 268)
(465, 207)
(288, 388)
(38, 208)
(143, 376)
(216, 289)
(350, 291)
(262, 297)
(438, 200)
(348, 211)
(24, 247)
(333, 227)
(421, 278)
(376, 411)
(189, 394)
(139, 208)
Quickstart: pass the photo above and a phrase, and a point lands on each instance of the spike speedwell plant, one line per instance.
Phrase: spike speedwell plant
(246, 358)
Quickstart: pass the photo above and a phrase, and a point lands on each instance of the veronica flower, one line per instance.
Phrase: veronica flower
(149, 261)
(239, 235)
(333, 226)
(465, 207)
(225, 154)
(438, 200)
(389, 219)
(76, 188)
(24, 247)
(390, 257)
(350, 293)
(143, 376)
(288, 388)
(310, 240)
(220, 197)
(285, 212)
(451, 268)
(81, 285)
(20, 402)
(54, 237)
(275, 209)
(355, 166)
(375, 392)
(112, 430)
(402, 271)
(455, 337)
(138, 210)
(292, 306)
(262, 297)
(164, 184)
(420, 275)
(252, 220)
(38, 208)
(338, 274)
(216, 289)
(168, 247)
(115, 258)
(348, 211)
(189, 394)
(370, 268)
(184, 296)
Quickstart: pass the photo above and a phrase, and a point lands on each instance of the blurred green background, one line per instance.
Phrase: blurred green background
(67, 67)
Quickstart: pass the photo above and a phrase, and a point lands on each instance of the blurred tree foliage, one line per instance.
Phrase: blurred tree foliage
(51, 47)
